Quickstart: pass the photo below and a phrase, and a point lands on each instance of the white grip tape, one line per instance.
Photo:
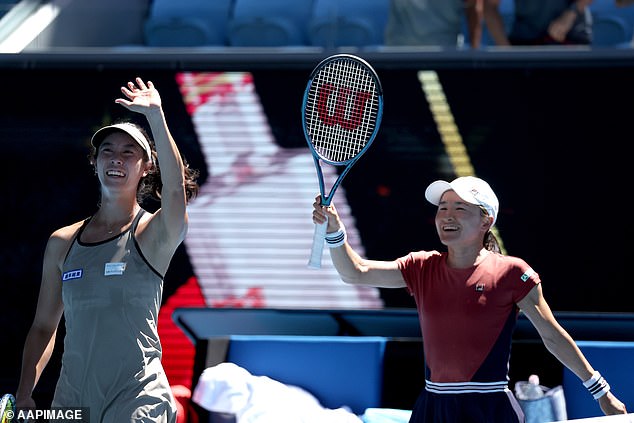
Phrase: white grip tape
(319, 238)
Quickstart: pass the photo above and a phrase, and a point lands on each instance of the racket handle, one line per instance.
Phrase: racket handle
(319, 238)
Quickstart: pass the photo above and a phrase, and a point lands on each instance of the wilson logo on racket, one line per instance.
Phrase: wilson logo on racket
(338, 115)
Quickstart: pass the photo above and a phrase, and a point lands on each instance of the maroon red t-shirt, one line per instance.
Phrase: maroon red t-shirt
(467, 316)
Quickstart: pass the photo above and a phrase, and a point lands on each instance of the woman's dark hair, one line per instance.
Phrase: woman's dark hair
(150, 185)
(490, 241)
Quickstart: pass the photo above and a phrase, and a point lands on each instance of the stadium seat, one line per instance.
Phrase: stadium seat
(187, 23)
(336, 23)
(610, 31)
(612, 26)
(270, 23)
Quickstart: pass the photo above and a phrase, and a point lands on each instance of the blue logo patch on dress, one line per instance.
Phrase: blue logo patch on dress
(72, 274)
(529, 272)
(114, 269)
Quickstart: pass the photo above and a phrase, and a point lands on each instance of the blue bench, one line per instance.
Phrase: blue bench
(338, 370)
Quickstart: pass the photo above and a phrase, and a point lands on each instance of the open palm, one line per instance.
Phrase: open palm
(140, 96)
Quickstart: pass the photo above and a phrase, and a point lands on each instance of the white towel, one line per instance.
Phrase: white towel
(229, 388)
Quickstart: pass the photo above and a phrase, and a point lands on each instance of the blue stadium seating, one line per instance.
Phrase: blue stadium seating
(336, 23)
(270, 23)
(324, 23)
(612, 26)
(610, 31)
(187, 23)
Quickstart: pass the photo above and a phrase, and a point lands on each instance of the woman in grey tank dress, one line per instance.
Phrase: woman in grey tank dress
(105, 275)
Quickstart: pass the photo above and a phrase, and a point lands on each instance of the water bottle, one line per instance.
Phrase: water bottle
(529, 390)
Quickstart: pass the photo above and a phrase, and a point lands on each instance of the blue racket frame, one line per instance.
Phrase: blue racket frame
(326, 199)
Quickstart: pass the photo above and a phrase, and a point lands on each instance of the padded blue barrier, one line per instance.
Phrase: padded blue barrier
(615, 361)
(337, 370)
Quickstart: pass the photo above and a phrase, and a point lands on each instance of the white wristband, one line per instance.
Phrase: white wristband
(597, 385)
(336, 239)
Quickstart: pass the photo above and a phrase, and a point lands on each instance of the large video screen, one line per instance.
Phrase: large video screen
(250, 228)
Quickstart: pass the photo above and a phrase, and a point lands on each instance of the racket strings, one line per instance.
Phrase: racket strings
(342, 109)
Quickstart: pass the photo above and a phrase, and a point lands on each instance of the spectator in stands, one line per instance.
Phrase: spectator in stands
(105, 274)
(433, 23)
(541, 22)
(468, 299)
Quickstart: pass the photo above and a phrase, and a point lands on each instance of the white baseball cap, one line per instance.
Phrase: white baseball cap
(471, 189)
(129, 129)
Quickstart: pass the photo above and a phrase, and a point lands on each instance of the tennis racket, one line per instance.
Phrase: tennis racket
(7, 409)
(341, 115)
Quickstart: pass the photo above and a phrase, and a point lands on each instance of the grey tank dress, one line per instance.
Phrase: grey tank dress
(112, 353)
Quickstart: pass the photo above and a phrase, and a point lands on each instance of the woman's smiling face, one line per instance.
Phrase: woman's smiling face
(120, 159)
(460, 222)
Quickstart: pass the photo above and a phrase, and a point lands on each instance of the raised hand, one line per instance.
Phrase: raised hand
(141, 96)
(321, 213)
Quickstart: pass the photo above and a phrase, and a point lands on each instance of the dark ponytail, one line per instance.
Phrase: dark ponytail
(491, 242)
(150, 186)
